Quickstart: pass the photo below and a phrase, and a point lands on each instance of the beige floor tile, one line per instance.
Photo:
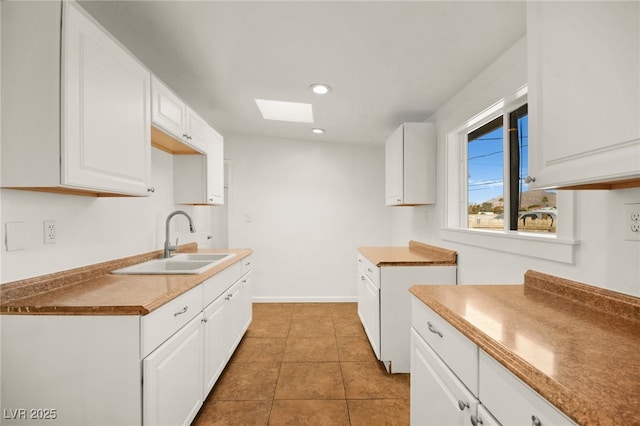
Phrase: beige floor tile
(311, 349)
(273, 310)
(247, 381)
(309, 412)
(312, 310)
(306, 364)
(234, 413)
(369, 380)
(260, 349)
(379, 412)
(311, 327)
(345, 309)
(348, 327)
(310, 380)
(273, 327)
(354, 349)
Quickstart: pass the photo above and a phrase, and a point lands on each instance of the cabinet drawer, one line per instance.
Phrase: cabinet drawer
(247, 264)
(369, 269)
(159, 325)
(511, 401)
(457, 351)
(217, 284)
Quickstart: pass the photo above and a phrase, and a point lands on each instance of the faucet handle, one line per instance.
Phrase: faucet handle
(176, 246)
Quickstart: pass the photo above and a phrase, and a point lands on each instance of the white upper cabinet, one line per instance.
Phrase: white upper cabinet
(584, 93)
(198, 164)
(171, 115)
(75, 105)
(410, 165)
(199, 179)
(198, 132)
(215, 170)
(168, 112)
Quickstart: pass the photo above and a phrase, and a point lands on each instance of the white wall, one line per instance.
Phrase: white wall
(603, 257)
(92, 230)
(304, 207)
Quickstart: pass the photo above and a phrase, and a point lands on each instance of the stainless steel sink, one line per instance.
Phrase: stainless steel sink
(188, 263)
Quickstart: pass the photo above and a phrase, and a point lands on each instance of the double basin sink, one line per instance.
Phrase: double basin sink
(187, 263)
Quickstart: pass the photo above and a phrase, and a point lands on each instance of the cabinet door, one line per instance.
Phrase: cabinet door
(247, 301)
(216, 331)
(215, 169)
(236, 315)
(168, 112)
(584, 63)
(172, 375)
(437, 396)
(106, 126)
(198, 131)
(394, 169)
(485, 418)
(369, 311)
(199, 179)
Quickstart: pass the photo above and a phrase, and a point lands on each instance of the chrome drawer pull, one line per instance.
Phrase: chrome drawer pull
(534, 420)
(433, 329)
(462, 405)
(181, 312)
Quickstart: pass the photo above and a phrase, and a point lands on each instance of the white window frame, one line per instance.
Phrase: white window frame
(558, 247)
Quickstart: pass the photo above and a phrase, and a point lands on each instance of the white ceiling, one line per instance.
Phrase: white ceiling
(387, 62)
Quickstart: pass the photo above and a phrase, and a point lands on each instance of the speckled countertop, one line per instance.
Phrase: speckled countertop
(576, 345)
(416, 254)
(92, 290)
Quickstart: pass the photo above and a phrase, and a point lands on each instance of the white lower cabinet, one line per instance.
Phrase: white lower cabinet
(225, 321)
(155, 369)
(215, 334)
(453, 382)
(511, 401)
(172, 387)
(369, 311)
(180, 373)
(384, 306)
(438, 397)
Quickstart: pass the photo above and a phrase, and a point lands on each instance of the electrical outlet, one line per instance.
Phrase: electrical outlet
(50, 232)
(632, 222)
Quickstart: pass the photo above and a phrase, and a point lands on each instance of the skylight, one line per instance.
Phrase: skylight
(285, 111)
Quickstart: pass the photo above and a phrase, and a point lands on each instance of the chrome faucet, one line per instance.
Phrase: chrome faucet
(168, 248)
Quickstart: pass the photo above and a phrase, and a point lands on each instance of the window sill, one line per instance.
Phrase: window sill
(545, 247)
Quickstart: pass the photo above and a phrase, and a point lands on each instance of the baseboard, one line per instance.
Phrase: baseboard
(304, 299)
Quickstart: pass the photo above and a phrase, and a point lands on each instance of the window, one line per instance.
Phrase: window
(496, 191)
(491, 171)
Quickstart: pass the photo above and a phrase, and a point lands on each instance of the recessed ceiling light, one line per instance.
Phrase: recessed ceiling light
(285, 111)
(320, 88)
(317, 131)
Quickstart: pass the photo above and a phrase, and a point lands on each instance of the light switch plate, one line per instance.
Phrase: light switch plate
(14, 237)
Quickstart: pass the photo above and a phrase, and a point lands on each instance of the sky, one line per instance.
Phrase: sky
(485, 164)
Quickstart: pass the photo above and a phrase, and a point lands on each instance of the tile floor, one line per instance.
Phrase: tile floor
(306, 364)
